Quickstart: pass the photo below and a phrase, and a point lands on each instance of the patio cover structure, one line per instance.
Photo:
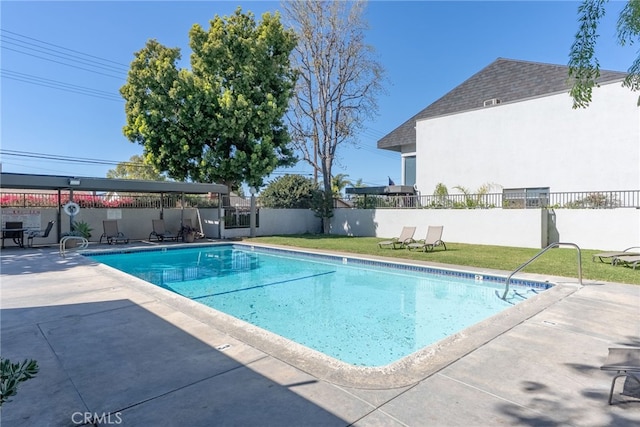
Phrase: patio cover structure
(387, 190)
(17, 181)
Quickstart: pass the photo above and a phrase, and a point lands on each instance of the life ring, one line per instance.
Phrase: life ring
(71, 208)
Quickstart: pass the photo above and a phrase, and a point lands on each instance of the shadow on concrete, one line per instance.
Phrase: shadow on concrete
(562, 408)
(125, 365)
(18, 262)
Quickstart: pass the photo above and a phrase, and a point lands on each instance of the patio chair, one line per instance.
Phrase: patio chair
(626, 362)
(160, 232)
(111, 233)
(628, 260)
(39, 233)
(433, 239)
(613, 255)
(406, 236)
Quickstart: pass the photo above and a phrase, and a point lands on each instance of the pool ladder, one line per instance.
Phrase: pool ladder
(553, 245)
(83, 243)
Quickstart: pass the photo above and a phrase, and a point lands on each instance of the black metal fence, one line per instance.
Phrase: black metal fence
(237, 212)
(511, 200)
(237, 208)
(124, 200)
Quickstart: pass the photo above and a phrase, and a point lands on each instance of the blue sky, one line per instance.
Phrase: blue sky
(427, 48)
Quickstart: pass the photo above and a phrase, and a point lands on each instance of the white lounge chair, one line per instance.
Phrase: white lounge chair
(628, 260)
(613, 255)
(433, 239)
(406, 237)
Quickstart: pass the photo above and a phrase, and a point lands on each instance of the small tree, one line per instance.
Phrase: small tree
(338, 183)
(441, 194)
(290, 192)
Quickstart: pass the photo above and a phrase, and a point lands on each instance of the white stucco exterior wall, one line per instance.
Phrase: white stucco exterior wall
(526, 228)
(540, 142)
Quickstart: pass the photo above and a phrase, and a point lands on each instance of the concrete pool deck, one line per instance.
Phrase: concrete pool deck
(110, 348)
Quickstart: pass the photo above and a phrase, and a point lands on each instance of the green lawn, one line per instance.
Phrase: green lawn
(557, 262)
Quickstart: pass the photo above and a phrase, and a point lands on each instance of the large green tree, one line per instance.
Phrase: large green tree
(222, 120)
(339, 80)
(584, 68)
(135, 168)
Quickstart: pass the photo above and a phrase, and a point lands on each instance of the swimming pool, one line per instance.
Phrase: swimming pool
(362, 312)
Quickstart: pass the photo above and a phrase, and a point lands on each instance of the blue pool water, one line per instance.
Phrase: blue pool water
(361, 312)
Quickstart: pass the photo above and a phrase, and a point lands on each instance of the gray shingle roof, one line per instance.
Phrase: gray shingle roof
(505, 79)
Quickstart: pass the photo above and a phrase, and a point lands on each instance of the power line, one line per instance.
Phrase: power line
(63, 63)
(68, 57)
(67, 159)
(63, 57)
(119, 64)
(54, 84)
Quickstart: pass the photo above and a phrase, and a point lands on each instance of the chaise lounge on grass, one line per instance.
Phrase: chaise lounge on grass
(433, 239)
(628, 260)
(613, 255)
(406, 237)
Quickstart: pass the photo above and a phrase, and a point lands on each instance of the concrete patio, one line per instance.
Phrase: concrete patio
(112, 348)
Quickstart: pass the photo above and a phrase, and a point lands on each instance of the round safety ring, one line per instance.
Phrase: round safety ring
(71, 208)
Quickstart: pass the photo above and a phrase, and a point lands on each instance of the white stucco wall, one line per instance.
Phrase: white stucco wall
(606, 229)
(508, 227)
(540, 142)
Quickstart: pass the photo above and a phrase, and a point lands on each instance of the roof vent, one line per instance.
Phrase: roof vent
(490, 102)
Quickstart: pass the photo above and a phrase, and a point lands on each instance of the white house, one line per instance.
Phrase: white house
(512, 125)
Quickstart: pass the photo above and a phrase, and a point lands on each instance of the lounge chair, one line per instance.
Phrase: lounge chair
(160, 232)
(433, 239)
(628, 260)
(39, 233)
(613, 255)
(111, 232)
(626, 362)
(406, 237)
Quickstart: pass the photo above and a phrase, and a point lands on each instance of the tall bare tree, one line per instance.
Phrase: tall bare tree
(338, 81)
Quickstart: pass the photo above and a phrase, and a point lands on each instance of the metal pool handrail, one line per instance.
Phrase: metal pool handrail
(553, 245)
(82, 245)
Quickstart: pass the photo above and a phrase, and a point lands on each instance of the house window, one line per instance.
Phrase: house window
(409, 169)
